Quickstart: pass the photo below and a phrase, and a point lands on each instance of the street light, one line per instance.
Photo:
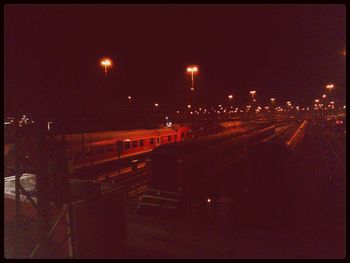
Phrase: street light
(230, 97)
(272, 101)
(156, 105)
(192, 70)
(253, 92)
(330, 87)
(324, 96)
(106, 63)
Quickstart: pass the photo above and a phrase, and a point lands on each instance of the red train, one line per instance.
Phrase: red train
(100, 147)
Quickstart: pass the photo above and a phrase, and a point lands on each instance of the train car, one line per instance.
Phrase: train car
(88, 149)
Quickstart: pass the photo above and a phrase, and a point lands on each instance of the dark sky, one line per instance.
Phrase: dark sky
(285, 51)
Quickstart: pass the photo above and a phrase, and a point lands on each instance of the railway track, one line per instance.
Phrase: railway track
(332, 161)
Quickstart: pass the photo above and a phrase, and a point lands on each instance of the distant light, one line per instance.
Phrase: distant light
(230, 97)
(49, 125)
(330, 86)
(106, 62)
(324, 96)
(317, 100)
(272, 99)
(344, 107)
(177, 112)
(220, 106)
(7, 122)
(189, 106)
(129, 97)
(192, 69)
(156, 104)
(332, 102)
(208, 200)
(191, 112)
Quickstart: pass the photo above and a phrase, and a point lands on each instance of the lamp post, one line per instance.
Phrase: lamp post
(230, 97)
(330, 87)
(192, 70)
(253, 92)
(272, 106)
(106, 63)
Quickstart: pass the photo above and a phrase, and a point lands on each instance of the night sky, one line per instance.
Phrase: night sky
(284, 51)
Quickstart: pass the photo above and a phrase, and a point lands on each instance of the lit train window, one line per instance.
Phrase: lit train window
(126, 145)
(134, 144)
(151, 141)
(141, 143)
(169, 138)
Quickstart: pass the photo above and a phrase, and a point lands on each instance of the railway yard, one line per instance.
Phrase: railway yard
(253, 196)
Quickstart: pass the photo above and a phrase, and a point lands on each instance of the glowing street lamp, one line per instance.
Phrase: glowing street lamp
(253, 92)
(230, 97)
(156, 105)
(330, 87)
(317, 100)
(129, 98)
(324, 96)
(272, 101)
(192, 70)
(106, 63)
(189, 106)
